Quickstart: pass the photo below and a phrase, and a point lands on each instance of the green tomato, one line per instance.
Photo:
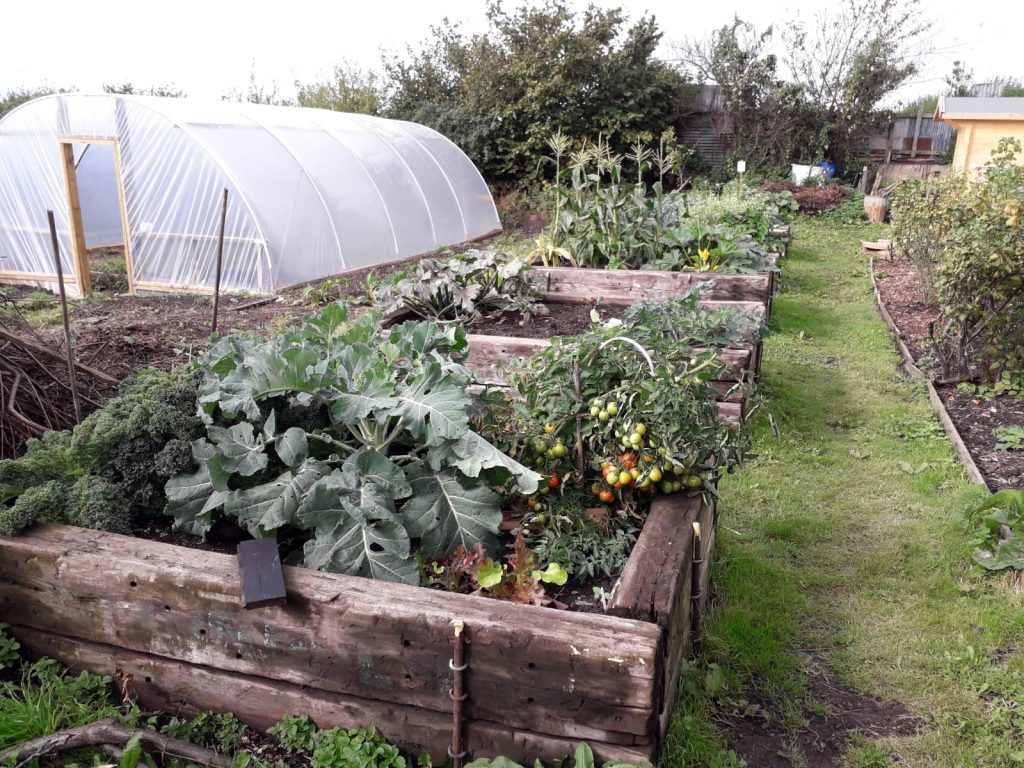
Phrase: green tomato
(594, 410)
(612, 408)
(666, 487)
(603, 415)
(693, 482)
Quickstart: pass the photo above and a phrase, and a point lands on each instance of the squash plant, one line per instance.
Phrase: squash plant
(462, 288)
(356, 437)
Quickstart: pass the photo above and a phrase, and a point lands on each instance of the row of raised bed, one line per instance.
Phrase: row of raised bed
(352, 652)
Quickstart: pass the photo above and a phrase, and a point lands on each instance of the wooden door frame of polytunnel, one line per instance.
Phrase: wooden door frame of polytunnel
(78, 244)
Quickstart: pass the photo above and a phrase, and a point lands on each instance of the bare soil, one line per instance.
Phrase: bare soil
(560, 320)
(838, 713)
(976, 418)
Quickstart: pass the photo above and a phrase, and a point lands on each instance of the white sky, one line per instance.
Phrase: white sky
(206, 48)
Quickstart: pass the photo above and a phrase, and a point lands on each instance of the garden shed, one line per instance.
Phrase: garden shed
(980, 123)
(311, 192)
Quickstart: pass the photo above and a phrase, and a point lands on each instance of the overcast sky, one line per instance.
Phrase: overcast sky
(207, 48)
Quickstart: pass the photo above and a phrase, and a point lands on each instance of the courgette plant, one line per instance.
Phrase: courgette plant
(356, 437)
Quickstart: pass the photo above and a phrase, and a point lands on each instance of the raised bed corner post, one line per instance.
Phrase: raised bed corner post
(457, 665)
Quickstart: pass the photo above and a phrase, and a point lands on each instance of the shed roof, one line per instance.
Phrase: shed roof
(979, 108)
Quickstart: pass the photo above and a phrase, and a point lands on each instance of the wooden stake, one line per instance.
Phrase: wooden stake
(220, 260)
(458, 665)
(72, 373)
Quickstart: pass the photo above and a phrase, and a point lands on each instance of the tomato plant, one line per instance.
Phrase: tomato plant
(645, 414)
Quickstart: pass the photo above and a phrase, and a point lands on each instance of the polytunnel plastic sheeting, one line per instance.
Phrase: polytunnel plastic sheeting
(311, 192)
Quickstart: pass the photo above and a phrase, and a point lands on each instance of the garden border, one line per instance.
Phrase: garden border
(910, 368)
(366, 652)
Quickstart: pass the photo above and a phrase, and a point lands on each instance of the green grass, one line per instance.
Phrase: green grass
(838, 545)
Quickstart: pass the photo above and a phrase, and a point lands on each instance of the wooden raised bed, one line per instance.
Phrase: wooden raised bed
(489, 356)
(352, 652)
(625, 286)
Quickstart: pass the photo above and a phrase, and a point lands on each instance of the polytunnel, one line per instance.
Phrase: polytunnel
(311, 192)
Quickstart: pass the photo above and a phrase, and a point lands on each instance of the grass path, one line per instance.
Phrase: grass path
(839, 548)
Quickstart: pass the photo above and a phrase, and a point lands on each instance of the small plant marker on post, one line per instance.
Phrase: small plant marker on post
(69, 353)
(259, 568)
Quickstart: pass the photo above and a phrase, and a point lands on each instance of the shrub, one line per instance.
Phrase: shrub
(971, 228)
(499, 94)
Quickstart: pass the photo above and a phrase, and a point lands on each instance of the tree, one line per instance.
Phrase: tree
(760, 110)
(500, 95)
(959, 81)
(258, 93)
(351, 89)
(18, 96)
(126, 88)
(845, 63)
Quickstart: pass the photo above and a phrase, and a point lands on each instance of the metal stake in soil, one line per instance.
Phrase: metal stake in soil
(458, 666)
(220, 260)
(67, 327)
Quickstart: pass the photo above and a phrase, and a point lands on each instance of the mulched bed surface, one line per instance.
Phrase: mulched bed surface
(976, 418)
(561, 320)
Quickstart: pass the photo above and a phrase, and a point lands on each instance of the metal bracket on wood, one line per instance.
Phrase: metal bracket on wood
(458, 666)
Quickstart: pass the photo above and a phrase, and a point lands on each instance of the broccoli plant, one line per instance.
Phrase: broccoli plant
(376, 449)
(463, 288)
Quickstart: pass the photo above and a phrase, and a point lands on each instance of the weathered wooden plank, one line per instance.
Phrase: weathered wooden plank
(660, 562)
(186, 688)
(658, 584)
(623, 287)
(534, 668)
(489, 356)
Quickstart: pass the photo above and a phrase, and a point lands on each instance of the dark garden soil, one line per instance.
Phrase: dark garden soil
(836, 716)
(976, 418)
(560, 320)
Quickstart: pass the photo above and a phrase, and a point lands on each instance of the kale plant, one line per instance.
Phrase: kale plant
(112, 466)
(385, 453)
(463, 288)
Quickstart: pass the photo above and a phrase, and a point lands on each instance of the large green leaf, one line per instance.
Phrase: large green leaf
(473, 455)
(328, 326)
(267, 371)
(240, 450)
(371, 466)
(269, 506)
(446, 511)
(375, 394)
(292, 447)
(356, 532)
(191, 498)
(432, 407)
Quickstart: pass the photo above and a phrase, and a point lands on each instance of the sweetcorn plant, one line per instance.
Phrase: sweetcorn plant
(605, 217)
(352, 438)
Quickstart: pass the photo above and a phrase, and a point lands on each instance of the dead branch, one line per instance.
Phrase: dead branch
(19, 341)
(110, 732)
